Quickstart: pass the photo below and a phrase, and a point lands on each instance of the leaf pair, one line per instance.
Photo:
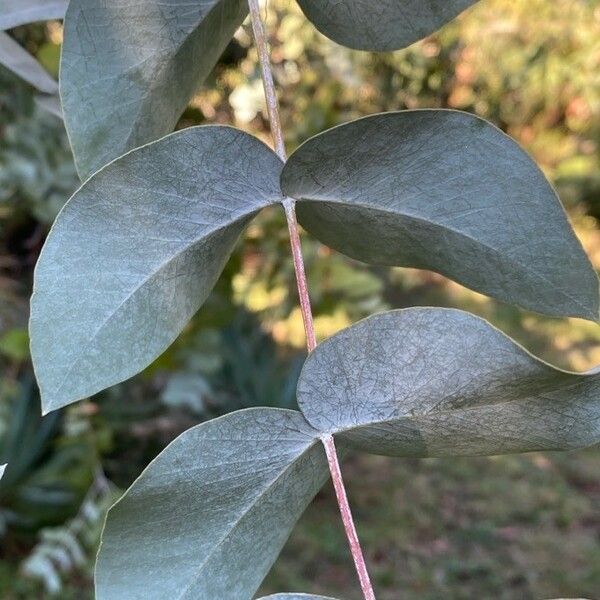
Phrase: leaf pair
(137, 249)
(128, 72)
(210, 514)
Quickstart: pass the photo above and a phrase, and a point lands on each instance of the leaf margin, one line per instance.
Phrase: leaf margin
(590, 311)
(315, 444)
(343, 434)
(48, 405)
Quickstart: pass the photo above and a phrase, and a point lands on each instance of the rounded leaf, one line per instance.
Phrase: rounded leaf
(136, 251)
(128, 70)
(437, 382)
(382, 25)
(209, 516)
(449, 192)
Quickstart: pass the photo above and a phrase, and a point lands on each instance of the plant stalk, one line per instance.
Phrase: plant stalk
(267, 78)
(342, 498)
(311, 342)
(296, 245)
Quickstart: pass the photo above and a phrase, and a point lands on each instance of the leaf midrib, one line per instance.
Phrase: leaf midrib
(141, 284)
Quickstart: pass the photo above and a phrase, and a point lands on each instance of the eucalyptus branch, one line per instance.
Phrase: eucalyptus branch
(311, 342)
(113, 288)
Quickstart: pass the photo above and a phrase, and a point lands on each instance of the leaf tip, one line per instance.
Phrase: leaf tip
(47, 407)
(52, 401)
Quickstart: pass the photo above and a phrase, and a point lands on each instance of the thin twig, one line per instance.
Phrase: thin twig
(288, 204)
(307, 318)
(342, 498)
(267, 78)
(311, 342)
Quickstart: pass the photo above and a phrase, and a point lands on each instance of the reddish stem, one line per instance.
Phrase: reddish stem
(311, 342)
(307, 318)
(267, 78)
(342, 498)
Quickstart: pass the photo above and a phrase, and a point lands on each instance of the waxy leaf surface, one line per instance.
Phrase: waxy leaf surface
(19, 12)
(128, 69)
(136, 251)
(437, 382)
(20, 62)
(209, 516)
(446, 191)
(382, 25)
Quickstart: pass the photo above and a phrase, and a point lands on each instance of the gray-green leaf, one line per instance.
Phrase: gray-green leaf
(20, 62)
(382, 25)
(209, 516)
(437, 382)
(128, 71)
(135, 252)
(446, 191)
(19, 12)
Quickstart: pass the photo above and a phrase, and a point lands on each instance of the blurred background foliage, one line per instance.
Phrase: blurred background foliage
(508, 527)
